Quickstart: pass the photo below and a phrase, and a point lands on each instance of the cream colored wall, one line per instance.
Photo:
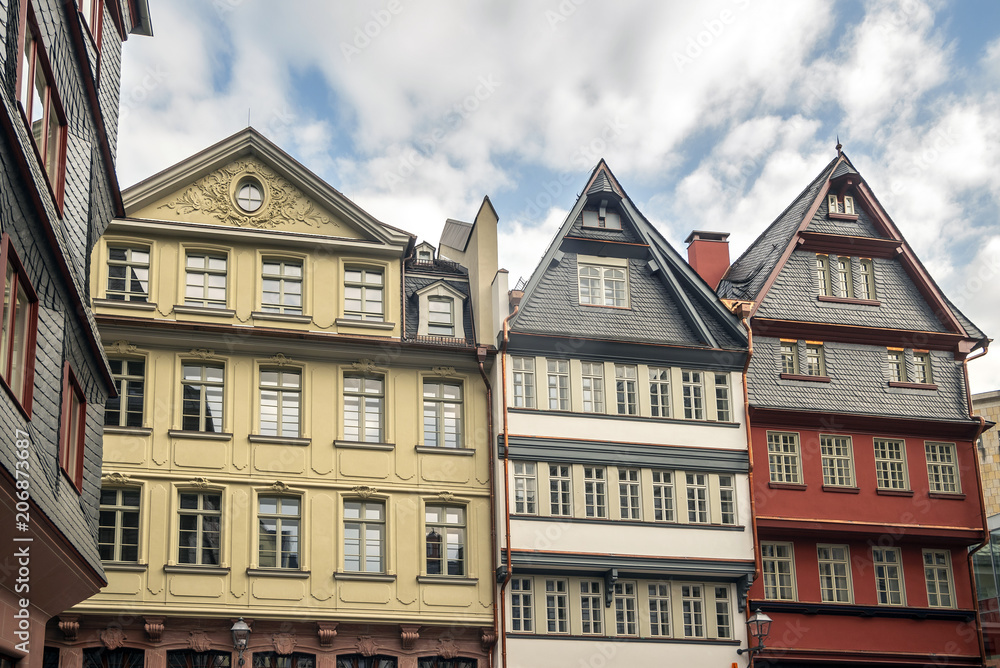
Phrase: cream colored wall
(987, 404)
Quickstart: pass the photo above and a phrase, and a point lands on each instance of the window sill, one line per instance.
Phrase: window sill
(809, 379)
(636, 523)
(279, 440)
(848, 300)
(840, 489)
(115, 303)
(894, 492)
(842, 216)
(364, 324)
(202, 570)
(279, 573)
(446, 580)
(203, 435)
(801, 487)
(435, 450)
(913, 386)
(124, 566)
(127, 431)
(364, 577)
(954, 496)
(204, 310)
(281, 317)
(360, 445)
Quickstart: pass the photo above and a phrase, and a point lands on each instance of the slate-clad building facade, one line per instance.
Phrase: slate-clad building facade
(622, 463)
(865, 474)
(59, 69)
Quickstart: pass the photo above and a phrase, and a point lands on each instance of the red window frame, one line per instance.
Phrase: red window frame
(72, 428)
(92, 13)
(31, 57)
(13, 281)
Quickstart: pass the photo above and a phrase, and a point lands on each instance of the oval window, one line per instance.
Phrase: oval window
(249, 196)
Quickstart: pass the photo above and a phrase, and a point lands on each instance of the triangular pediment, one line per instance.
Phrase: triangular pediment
(246, 181)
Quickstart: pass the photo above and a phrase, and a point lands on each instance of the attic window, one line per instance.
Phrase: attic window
(844, 205)
(602, 219)
(249, 195)
(424, 256)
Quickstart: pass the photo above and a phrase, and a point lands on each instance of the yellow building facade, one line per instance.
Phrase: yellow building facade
(301, 436)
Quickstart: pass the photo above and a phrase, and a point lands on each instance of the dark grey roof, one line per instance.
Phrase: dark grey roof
(626, 234)
(862, 227)
(418, 281)
(456, 234)
(859, 384)
(843, 168)
(602, 184)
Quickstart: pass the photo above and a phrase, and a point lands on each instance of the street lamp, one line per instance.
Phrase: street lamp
(241, 636)
(759, 625)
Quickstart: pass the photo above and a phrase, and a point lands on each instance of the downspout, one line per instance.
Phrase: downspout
(982, 504)
(480, 358)
(757, 566)
(402, 294)
(506, 486)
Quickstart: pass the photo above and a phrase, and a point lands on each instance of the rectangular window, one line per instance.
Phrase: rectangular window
(556, 607)
(922, 368)
(42, 108)
(118, 525)
(693, 610)
(442, 414)
(783, 457)
(727, 499)
(626, 623)
(525, 488)
(560, 484)
(625, 389)
(834, 573)
(628, 494)
(200, 536)
(521, 605)
(890, 464)
(723, 618)
(558, 381)
(789, 357)
(72, 428)
(659, 391)
(280, 402)
(524, 381)
(603, 286)
(125, 410)
(92, 12)
(202, 401)
(942, 468)
(823, 275)
(937, 575)
(888, 575)
(697, 498)
(844, 288)
(723, 411)
(815, 364)
(441, 316)
(595, 491)
(778, 569)
(128, 274)
(838, 468)
(444, 531)
(282, 287)
(364, 536)
(837, 205)
(364, 408)
(363, 294)
(693, 390)
(663, 496)
(897, 365)
(593, 387)
(659, 609)
(20, 319)
(278, 523)
(866, 285)
(206, 280)
(591, 607)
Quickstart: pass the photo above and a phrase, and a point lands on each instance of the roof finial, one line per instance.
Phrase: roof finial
(839, 147)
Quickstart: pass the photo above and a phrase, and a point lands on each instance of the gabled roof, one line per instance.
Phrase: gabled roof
(672, 304)
(752, 275)
(249, 143)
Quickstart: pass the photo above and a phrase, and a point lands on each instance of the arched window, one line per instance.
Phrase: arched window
(361, 661)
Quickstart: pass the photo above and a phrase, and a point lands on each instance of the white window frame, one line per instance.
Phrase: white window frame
(525, 487)
(206, 271)
(363, 314)
(557, 382)
(696, 493)
(523, 380)
(602, 274)
(777, 561)
(595, 491)
(784, 465)
(664, 498)
(629, 494)
(659, 391)
(693, 621)
(831, 569)
(890, 472)
(942, 467)
(932, 576)
(438, 293)
(888, 570)
(693, 394)
(561, 490)
(285, 282)
(627, 389)
(837, 458)
(592, 381)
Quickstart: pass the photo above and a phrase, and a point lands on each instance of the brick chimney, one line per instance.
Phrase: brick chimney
(708, 254)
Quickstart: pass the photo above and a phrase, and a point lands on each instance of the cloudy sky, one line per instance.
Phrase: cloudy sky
(713, 115)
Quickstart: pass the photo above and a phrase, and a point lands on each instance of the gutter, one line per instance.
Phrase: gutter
(982, 505)
(757, 565)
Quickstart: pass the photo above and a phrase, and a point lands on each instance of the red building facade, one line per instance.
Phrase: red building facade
(865, 483)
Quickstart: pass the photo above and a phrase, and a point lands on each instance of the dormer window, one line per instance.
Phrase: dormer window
(602, 218)
(423, 256)
(424, 253)
(441, 316)
(844, 205)
(441, 309)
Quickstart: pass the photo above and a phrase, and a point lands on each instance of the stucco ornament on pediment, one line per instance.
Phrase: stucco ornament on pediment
(121, 348)
(447, 648)
(364, 491)
(199, 641)
(283, 203)
(444, 370)
(202, 483)
(279, 486)
(116, 478)
(113, 638)
(280, 360)
(364, 365)
(283, 643)
(366, 646)
(203, 353)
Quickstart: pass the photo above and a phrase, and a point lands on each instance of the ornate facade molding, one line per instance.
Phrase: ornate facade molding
(364, 365)
(447, 648)
(408, 635)
(283, 643)
(70, 626)
(366, 646)
(121, 348)
(488, 638)
(444, 370)
(279, 486)
(199, 641)
(113, 637)
(116, 478)
(280, 360)
(364, 491)
(326, 631)
(203, 353)
(201, 483)
(154, 628)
